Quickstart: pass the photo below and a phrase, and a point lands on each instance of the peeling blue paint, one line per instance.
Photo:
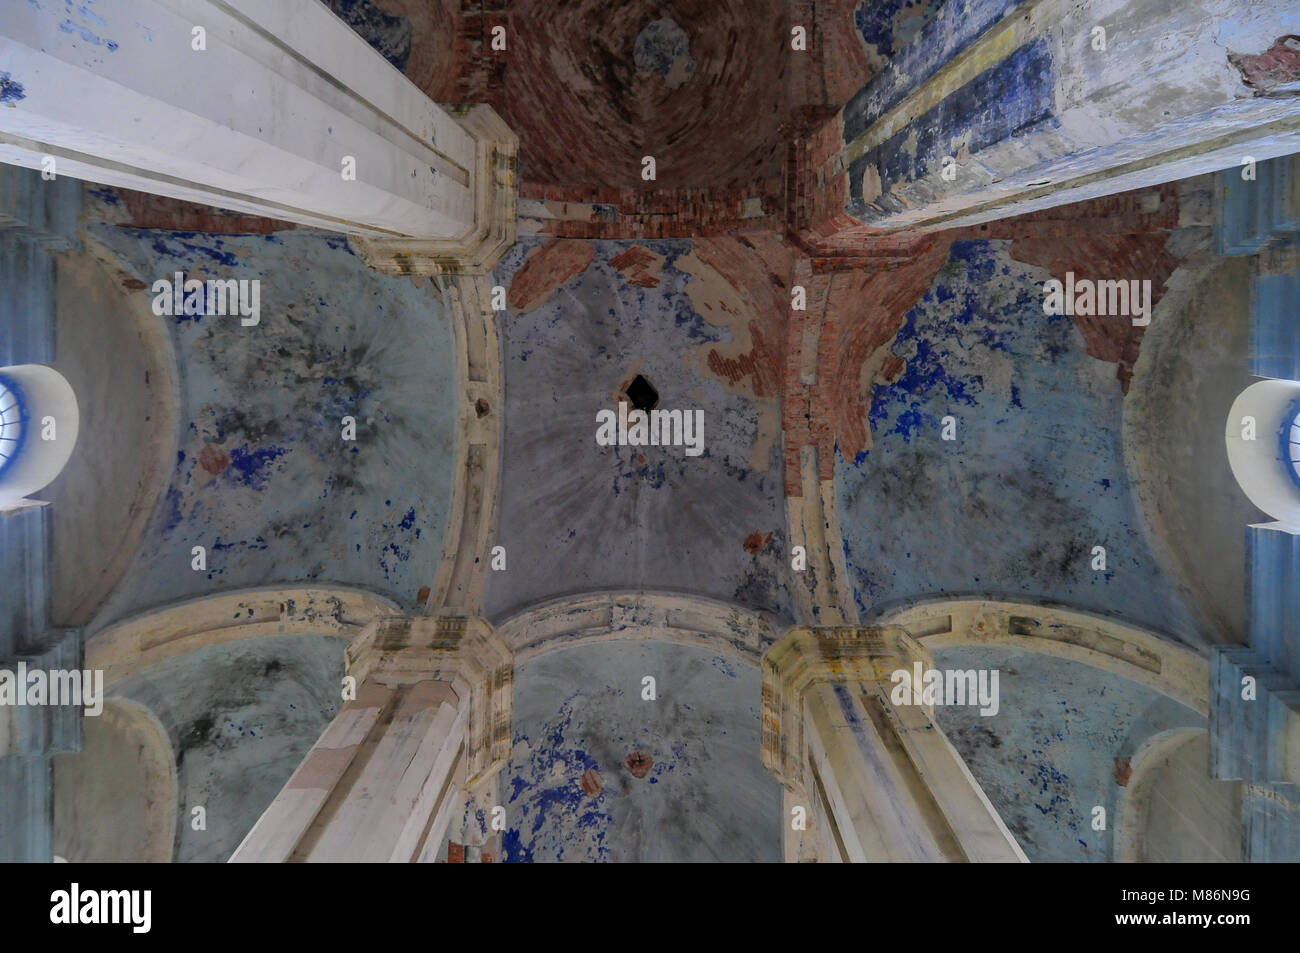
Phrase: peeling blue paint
(262, 477)
(1004, 100)
(389, 35)
(699, 759)
(11, 91)
(917, 54)
(1035, 477)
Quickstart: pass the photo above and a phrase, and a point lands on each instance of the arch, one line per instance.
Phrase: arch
(629, 615)
(1133, 813)
(125, 371)
(1116, 647)
(1193, 362)
(144, 640)
(117, 799)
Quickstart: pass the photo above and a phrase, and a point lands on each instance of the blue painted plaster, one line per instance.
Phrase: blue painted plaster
(1004, 100)
(706, 797)
(1047, 758)
(620, 517)
(891, 26)
(918, 37)
(11, 91)
(1035, 477)
(296, 503)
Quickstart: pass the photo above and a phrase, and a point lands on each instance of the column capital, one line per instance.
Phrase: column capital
(466, 652)
(495, 210)
(860, 654)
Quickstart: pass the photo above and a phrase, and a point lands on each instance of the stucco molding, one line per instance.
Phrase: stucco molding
(630, 615)
(844, 654)
(823, 592)
(465, 652)
(495, 211)
(460, 579)
(1172, 670)
(136, 643)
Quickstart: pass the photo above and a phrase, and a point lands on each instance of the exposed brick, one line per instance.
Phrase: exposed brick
(545, 269)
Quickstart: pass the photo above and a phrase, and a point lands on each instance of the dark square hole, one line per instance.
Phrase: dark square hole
(641, 394)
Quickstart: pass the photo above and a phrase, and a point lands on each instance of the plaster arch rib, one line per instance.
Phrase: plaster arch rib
(610, 616)
(134, 644)
(1107, 644)
(460, 579)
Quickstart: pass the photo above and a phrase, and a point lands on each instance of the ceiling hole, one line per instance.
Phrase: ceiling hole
(641, 394)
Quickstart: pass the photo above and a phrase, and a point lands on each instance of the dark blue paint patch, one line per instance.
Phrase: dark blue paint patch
(892, 25)
(106, 195)
(250, 467)
(555, 801)
(924, 372)
(10, 89)
(913, 59)
(389, 35)
(190, 250)
(68, 26)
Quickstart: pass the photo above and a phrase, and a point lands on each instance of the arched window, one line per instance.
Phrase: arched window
(11, 423)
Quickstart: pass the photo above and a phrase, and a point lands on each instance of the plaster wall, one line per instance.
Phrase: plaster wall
(579, 714)
(1035, 477)
(262, 477)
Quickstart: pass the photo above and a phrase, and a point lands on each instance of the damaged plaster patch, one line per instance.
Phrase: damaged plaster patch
(664, 48)
(719, 303)
(871, 187)
(1279, 65)
(1038, 420)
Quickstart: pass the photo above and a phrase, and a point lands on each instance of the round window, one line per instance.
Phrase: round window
(11, 423)
(1291, 442)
